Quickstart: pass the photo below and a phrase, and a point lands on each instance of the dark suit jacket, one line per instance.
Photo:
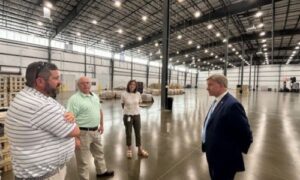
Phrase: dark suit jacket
(228, 135)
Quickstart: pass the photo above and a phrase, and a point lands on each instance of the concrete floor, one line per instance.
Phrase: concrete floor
(173, 139)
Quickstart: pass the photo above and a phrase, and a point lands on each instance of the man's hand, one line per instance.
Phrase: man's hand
(69, 117)
(77, 143)
(101, 129)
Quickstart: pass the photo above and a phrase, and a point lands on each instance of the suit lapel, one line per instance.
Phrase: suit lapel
(217, 108)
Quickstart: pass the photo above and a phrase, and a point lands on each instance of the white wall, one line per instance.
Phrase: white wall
(71, 65)
(269, 76)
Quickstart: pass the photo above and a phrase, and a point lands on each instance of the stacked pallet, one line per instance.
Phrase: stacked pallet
(10, 85)
(16, 83)
(107, 95)
(147, 98)
(5, 157)
(3, 91)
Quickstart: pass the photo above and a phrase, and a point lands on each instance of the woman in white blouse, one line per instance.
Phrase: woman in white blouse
(130, 103)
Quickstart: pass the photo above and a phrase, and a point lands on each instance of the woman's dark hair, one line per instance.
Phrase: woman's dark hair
(36, 69)
(131, 81)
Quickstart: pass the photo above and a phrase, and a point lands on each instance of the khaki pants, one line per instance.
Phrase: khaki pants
(90, 142)
(60, 175)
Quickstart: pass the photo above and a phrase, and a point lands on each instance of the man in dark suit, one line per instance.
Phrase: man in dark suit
(226, 132)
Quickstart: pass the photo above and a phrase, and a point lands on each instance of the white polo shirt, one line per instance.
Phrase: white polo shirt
(131, 103)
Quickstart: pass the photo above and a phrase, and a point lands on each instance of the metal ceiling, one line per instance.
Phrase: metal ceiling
(70, 17)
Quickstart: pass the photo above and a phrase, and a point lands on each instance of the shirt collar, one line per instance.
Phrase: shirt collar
(221, 96)
(85, 95)
(34, 91)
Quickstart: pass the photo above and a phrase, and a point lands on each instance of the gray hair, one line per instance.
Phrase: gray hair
(219, 78)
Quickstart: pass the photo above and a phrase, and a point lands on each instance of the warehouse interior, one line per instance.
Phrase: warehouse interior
(171, 47)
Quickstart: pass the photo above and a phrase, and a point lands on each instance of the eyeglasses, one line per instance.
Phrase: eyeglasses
(39, 68)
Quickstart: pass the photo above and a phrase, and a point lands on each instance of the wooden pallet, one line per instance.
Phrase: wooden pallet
(3, 99)
(12, 95)
(3, 83)
(6, 165)
(4, 142)
(16, 83)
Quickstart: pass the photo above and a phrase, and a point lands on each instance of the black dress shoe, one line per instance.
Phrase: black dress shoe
(106, 174)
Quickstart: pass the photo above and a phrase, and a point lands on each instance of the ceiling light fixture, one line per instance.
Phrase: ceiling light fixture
(122, 45)
(39, 23)
(156, 44)
(140, 38)
(197, 14)
(94, 22)
(144, 18)
(260, 25)
(48, 4)
(179, 36)
(118, 3)
(190, 42)
(198, 46)
(78, 34)
(258, 14)
(262, 33)
(120, 31)
(218, 34)
(210, 26)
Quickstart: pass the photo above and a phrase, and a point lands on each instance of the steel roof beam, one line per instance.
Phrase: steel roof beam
(217, 14)
(246, 37)
(70, 17)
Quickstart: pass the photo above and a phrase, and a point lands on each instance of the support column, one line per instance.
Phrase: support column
(165, 53)
(147, 74)
(131, 67)
(273, 26)
(49, 50)
(197, 76)
(85, 60)
(226, 46)
(257, 74)
(185, 75)
(243, 63)
(112, 64)
(250, 71)
(254, 75)
(94, 67)
(239, 75)
(279, 77)
(170, 76)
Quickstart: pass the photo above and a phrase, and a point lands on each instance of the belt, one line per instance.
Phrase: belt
(88, 128)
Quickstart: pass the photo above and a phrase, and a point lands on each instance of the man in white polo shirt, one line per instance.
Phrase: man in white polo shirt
(40, 131)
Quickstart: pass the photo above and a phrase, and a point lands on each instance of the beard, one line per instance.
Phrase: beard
(52, 92)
